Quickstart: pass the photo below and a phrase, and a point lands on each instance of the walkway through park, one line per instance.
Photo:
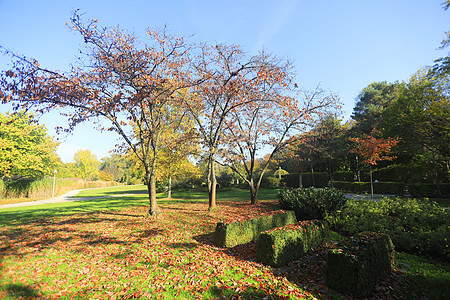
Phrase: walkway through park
(68, 197)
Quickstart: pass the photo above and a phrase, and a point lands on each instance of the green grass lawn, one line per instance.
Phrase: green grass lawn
(106, 248)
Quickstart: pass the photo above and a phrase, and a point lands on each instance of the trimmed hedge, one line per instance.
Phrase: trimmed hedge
(357, 264)
(396, 188)
(320, 179)
(279, 246)
(428, 190)
(237, 233)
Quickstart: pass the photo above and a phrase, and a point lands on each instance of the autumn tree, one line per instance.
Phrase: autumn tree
(226, 73)
(117, 79)
(269, 120)
(119, 166)
(174, 162)
(372, 150)
(178, 144)
(86, 164)
(26, 150)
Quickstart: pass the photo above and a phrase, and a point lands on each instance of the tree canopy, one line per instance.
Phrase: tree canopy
(143, 88)
(86, 164)
(25, 147)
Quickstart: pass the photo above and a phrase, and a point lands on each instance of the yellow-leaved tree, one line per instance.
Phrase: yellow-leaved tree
(25, 148)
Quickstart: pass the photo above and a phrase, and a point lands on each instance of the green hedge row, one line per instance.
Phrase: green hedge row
(237, 233)
(345, 182)
(395, 188)
(429, 190)
(357, 264)
(279, 246)
(319, 179)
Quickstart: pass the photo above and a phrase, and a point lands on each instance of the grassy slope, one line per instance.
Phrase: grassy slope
(102, 248)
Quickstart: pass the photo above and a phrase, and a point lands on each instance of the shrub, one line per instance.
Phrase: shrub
(281, 245)
(311, 203)
(273, 182)
(357, 264)
(225, 179)
(415, 226)
(236, 233)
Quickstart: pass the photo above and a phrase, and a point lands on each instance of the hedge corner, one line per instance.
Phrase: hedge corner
(357, 264)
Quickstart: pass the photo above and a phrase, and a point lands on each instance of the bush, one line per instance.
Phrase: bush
(357, 264)
(311, 203)
(237, 233)
(225, 179)
(273, 182)
(415, 226)
(281, 245)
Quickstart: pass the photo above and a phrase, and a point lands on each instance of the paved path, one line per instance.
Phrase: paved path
(63, 198)
(366, 196)
(67, 197)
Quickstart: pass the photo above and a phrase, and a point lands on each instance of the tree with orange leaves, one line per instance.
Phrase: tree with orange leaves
(372, 150)
(129, 84)
(229, 79)
(269, 124)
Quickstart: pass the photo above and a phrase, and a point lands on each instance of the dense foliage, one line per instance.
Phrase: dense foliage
(311, 203)
(26, 150)
(415, 226)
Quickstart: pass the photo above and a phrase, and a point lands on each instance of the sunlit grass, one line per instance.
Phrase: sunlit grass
(116, 198)
(107, 248)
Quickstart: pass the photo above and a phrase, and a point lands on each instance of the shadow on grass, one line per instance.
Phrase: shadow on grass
(44, 213)
(245, 251)
(247, 293)
(20, 291)
(184, 246)
(27, 214)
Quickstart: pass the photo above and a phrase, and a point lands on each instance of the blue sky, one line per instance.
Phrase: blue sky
(343, 45)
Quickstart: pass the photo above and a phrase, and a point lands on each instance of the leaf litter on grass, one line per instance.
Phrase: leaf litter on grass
(124, 254)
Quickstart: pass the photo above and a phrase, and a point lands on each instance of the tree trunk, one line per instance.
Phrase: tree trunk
(151, 185)
(331, 172)
(253, 191)
(312, 174)
(371, 181)
(169, 188)
(212, 183)
(436, 177)
(358, 173)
